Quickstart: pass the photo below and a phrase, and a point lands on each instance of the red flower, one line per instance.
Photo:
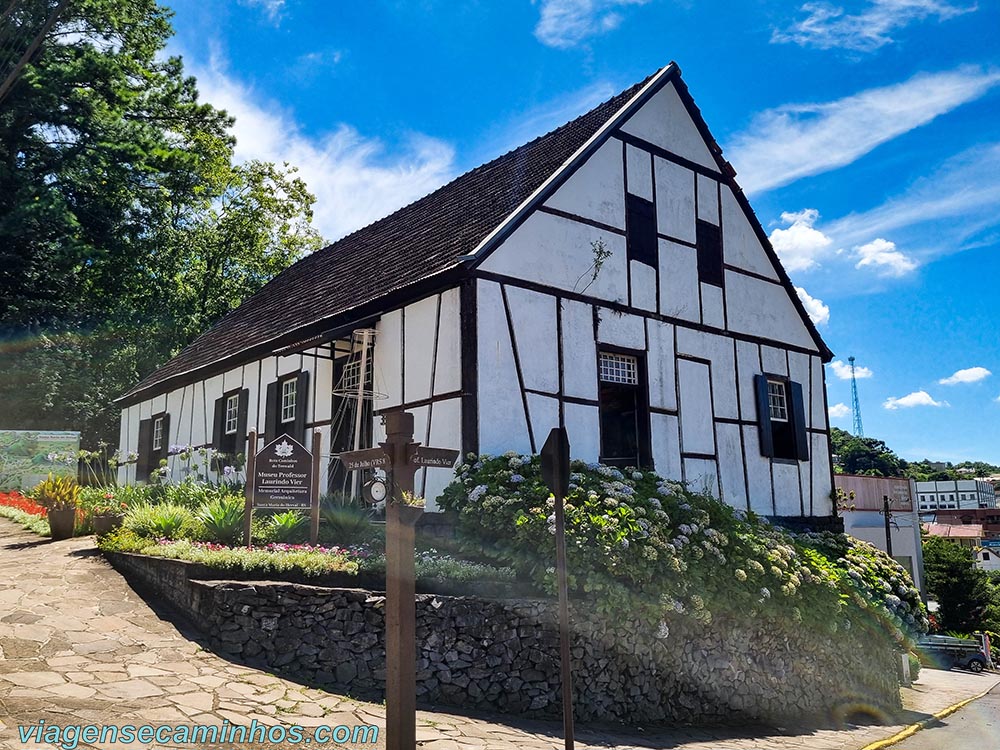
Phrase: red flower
(19, 501)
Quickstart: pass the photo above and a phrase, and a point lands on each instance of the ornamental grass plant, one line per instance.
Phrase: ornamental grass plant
(639, 543)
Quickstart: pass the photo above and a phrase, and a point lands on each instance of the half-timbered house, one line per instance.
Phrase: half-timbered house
(609, 276)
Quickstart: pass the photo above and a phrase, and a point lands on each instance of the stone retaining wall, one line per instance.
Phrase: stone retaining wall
(503, 655)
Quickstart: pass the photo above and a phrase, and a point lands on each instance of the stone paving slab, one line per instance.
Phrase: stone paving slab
(77, 645)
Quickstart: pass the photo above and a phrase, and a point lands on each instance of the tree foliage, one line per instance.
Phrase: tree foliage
(963, 592)
(864, 455)
(126, 227)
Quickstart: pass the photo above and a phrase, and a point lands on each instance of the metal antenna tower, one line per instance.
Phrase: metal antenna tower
(859, 430)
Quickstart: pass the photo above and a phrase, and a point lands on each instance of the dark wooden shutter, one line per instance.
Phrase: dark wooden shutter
(271, 406)
(164, 441)
(799, 422)
(144, 449)
(219, 426)
(241, 422)
(301, 406)
(763, 416)
(640, 230)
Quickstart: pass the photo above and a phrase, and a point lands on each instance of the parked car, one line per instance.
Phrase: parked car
(945, 652)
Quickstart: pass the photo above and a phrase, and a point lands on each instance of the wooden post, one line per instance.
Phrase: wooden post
(248, 490)
(314, 499)
(887, 512)
(400, 591)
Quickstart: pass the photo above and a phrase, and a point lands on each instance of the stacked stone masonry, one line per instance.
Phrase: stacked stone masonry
(503, 655)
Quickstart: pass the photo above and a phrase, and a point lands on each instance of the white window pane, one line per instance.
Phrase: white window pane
(777, 401)
(618, 368)
(232, 413)
(288, 398)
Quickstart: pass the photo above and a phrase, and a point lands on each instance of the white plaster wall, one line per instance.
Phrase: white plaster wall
(708, 199)
(702, 475)
(544, 413)
(321, 385)
(534, 318)
(762, 309)
(712, 310)
(734, 490)
(251, 382)
(448, 375)
(719, 351)
(679, 281)
(584, 429)
(621, 329)
(640, 172)
(420, 327)
(446, 432)
(556, 252)
(596, 190)
(748, 362)
(697, 434)
(675, 216)
(643, 278)
(388, 373)
(818, 395)
(201, 420)
(502, 424)
(579, 350)
(787, 490)
(758, 473)
(822, 483)
(665, 122)
(289, 363)
(774, 360)
(665, 434)
(741, 247)
(660, 366)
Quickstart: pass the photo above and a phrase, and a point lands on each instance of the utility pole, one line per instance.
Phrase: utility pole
(888, 521)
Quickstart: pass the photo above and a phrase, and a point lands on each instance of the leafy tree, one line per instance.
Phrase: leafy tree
(962, 590)
(125, 227)
(864, 455)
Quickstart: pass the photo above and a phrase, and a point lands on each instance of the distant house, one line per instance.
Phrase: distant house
(864, 519)
(967, 535)
(988, 518)
(609, 276)
(958, 494)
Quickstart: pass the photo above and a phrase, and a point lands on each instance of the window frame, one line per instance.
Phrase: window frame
(782, 441)
(643, 435)
(232, 414)
(156, 434)
(287, 407)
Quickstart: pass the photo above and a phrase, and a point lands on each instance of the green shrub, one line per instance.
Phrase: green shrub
(221, 519)
(32, 523)
(288, 526)
(346, 525)
(914, 666)
(636, 541)
(160, 521)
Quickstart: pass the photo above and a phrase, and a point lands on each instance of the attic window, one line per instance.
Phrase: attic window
(709, 242)
(640, 230)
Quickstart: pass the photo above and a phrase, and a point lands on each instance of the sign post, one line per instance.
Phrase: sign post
(555, 474)
(314, 498)
(400, 457)
(280, 475)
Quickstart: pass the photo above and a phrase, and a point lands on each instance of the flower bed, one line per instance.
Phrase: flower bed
(24, 511)
(642, 544)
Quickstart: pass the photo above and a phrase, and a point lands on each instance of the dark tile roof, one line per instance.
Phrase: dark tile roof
(420, 240)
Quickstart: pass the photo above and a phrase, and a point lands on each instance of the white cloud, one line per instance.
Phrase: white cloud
(354, 179)
(839, 411)
(917, 398)
(827, 26)
(801, 243)
(882, 255)
(968, 375)
(961, 196)
(843, 370)
(819, 313)
(566, 23)
(272, 8)
(797, 140)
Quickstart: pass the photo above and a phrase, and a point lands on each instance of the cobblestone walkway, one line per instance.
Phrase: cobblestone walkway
(77, 645)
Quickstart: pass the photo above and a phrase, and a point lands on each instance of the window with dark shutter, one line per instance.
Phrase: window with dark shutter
(781, 418)
(624, 410)
(709, 242)
(144, 450)
(640, 230)
(286, 407)
(230, 429)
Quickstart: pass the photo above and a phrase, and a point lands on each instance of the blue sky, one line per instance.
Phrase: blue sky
(865, 133)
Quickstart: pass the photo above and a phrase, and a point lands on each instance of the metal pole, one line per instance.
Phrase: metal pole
(888, 519)
(248, 489)
(400, 592)
(567, 674)
(317, 443)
